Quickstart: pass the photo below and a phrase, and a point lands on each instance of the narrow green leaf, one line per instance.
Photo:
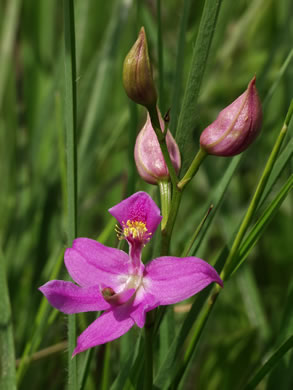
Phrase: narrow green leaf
(70, 127)
(189, 111)
(101, 89)
(253, 302)
(40, 325)
(263, 222)
(177, 89)
(7, 357)
(130, 361)
(9, 30)
(160, 58)
(272, 361)
(282, 373)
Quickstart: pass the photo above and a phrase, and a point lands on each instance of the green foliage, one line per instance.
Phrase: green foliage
(204, 53)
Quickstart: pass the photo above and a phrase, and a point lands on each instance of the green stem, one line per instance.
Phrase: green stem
(196, 333)
(168, 228)
(148, 379)
(70, 123)
(176, 199)
(7, 356)
(162, 141)
(106, 368)
(165, 194)
(198, 159)
(230, 262)
(160, 57)
(190, 243)
(270, 364)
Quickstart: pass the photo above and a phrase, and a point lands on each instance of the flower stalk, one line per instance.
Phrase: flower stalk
(165, 194)
(192, 170)
(152, 110)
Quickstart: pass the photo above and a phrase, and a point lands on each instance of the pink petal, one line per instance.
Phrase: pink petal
(138, 207)
(143, 303)
(173, 279)
(109, 326)
(70, 298)
(90, 263)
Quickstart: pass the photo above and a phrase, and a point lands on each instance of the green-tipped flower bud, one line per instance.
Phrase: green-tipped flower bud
(137, 73)
(148, 156)
(236, 127)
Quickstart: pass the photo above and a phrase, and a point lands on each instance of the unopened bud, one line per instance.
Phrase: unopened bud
(236, 127)
(137, 73)
(148, 157)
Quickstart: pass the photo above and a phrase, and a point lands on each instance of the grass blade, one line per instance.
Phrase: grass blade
(7, 357)
(267, 367)
(9, 29)
(70, 127)
(177, 90)
(263, 221)
(189, 112)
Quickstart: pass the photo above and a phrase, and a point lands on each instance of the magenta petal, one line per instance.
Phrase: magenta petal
(90, 263)
(143, 303)
(70, 298)
(173, 279)
(138, 207)
(109, 326)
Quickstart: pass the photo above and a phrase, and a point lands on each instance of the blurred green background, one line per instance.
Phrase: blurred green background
(251, 38)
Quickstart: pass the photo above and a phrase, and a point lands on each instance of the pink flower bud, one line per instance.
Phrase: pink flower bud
(148, 157)
(137, 73)
(236, 127)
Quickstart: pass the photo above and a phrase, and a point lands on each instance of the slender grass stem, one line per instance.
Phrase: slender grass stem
(148, 379)
(70, 123)
(7, 356)
(106, 368)
(196, 333)
(160, 58)
(231, 263)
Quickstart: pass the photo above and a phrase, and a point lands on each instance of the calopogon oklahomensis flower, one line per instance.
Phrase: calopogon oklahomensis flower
(120, 284)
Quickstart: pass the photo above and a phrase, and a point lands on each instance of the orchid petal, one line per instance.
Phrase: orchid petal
(143, 303)
(173, 279)
(138, 207)
(70, 298)
(109, 326)
(90, 263)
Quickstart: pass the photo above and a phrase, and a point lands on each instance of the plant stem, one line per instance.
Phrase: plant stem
(148, 379)
(165, 194)
(160, 58)
(190, 243)
(106, 368)
(198, 159)
(196, 333)
(7, 356)
(230, 265)
(162, 141)
(176, 199)
(70, 123)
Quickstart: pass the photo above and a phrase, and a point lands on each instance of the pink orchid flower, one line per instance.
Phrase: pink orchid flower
(108, 279)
